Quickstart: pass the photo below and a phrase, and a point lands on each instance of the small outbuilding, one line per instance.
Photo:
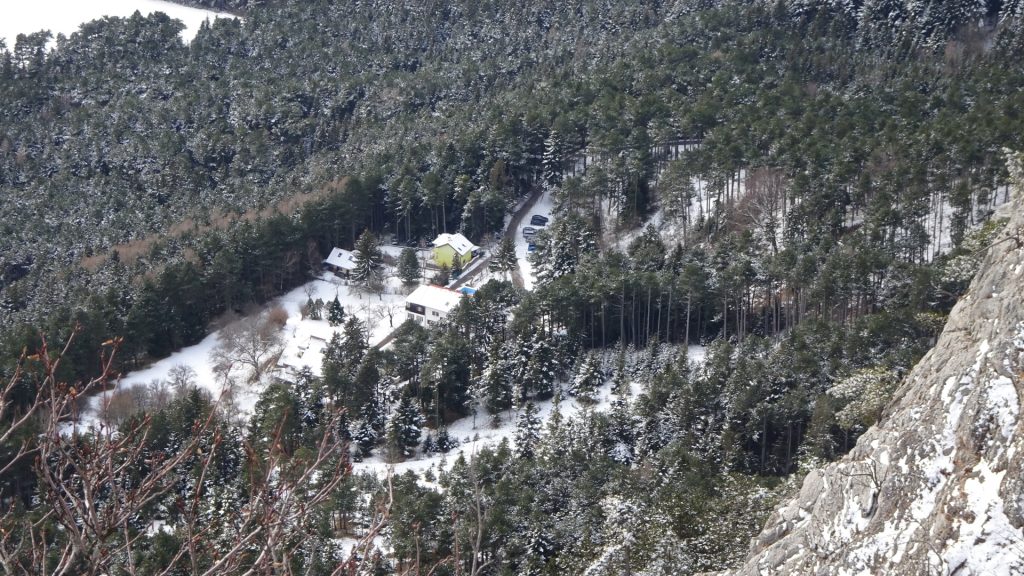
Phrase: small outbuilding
(449, 247)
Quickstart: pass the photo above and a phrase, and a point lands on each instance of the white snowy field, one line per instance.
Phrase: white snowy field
(303, 341)
(65, 16)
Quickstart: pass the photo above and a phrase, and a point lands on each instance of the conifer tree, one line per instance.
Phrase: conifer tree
(409, 266)
(527, 431)
(365, 437)
(367, 381)
(588, 378)
(620, 383)
(354, 345)
(368, 258)
(456, 266)
(497, 389)
(404, 427)
(553, 159)
(504, 258)
(335, 312)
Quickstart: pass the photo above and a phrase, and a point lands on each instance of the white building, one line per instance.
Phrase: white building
(430, 304)
(341, 262)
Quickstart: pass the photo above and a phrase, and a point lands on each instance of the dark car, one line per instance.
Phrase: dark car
(538, 220)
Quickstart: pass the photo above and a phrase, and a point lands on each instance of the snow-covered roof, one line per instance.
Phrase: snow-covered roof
(460, 243)
(341, 259)
(435, 298)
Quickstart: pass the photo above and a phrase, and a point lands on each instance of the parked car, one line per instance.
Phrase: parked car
(531, 247)
(529, 232)
(538, 220)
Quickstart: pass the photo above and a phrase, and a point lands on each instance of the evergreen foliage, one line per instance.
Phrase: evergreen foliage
(368, 258)
(409, 266)
(823, 176)
(335, 312)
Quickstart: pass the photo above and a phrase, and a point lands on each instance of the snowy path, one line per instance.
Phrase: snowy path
(543, 205)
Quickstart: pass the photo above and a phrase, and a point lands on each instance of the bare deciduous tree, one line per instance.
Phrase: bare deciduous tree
(250, 343)
(95, 486)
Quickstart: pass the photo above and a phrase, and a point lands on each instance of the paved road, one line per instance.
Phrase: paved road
(512, 228)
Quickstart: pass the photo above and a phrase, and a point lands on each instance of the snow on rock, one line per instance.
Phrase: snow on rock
(937, 486)
(65, 16)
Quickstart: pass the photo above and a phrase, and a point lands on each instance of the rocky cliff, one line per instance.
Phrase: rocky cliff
(937, 486)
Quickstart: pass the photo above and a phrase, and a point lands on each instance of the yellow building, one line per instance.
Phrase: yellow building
(448, 247)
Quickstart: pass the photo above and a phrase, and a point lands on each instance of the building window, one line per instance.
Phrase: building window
(434, 313)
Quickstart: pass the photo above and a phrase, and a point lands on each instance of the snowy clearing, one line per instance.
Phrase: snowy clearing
(303, 341)
(65, 16)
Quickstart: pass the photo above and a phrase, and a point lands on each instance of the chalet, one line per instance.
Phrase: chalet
(448, 247)
(430, 304)
(341, 262)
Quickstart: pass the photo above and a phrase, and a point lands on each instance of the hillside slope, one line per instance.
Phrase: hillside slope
(937, 487)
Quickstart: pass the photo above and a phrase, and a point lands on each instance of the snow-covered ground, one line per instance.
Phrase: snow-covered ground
(303, 338)
(65, 16)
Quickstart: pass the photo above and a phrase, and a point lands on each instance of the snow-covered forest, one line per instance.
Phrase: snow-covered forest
(759, 216)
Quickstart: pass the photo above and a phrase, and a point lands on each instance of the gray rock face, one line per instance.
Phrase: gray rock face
(937, 486)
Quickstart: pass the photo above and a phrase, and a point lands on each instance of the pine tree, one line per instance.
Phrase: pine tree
(553, 159)
(497, 389)
(335, 312)
(504, 258)
(337, 380)
(366, 383)
(539, 378)
(409, 266)
(429, 444)
(365, 437)
(527, 431)
(404, 427)
(442, 277)
(561, 247)
(368, 258)
(445, 443)
(354, 344)
(620, 382)
(587, 379)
